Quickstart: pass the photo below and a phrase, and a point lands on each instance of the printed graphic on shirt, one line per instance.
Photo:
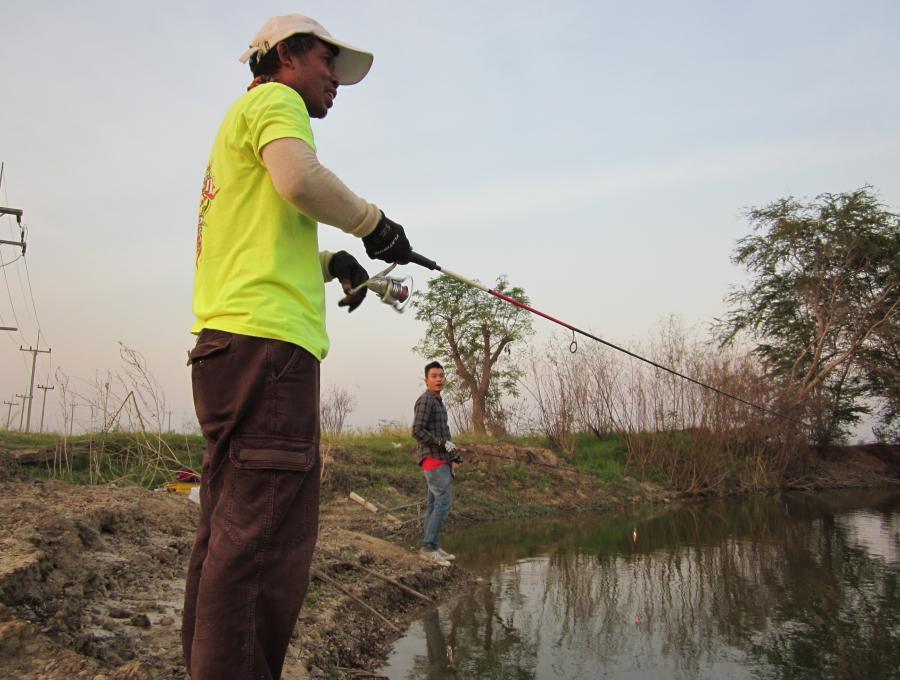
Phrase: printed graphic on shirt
(207, 194)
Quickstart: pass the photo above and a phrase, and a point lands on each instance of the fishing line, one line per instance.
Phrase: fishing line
(431, 264)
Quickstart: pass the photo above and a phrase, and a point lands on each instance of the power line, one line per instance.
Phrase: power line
(31, 295)
(2, 266)
(17, 213)
(12, 306)
(22, 287)
(26, 285)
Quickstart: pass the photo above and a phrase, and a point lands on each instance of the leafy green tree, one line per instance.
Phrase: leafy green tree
(472, 334)
(822, 304)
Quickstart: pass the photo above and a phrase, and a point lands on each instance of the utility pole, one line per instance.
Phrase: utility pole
(10, 404)
(34, 353)
(23, 397)
(44, 403)
(21, 242)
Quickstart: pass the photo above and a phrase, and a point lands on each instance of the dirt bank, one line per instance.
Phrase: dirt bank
(91, 581)
(91, 577)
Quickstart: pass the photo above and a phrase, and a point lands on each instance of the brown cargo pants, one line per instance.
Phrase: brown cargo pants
(257, 401)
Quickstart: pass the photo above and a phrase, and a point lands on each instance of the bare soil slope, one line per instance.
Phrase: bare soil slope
(92, 578)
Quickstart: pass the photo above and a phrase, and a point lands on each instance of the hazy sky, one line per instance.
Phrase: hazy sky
(599, 154)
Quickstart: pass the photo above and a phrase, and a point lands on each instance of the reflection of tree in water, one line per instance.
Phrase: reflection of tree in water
(846, 625)
(434, 666)
(706, 585)
(485, 633)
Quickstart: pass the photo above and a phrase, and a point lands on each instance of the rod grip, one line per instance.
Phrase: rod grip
(422, 261)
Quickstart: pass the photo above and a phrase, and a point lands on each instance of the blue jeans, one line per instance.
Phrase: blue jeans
(440, 499)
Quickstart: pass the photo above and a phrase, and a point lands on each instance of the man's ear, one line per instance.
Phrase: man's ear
(285, 58)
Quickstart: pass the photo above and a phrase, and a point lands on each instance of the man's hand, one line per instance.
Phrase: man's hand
(344, 267)
(388, 242)
(449, 446)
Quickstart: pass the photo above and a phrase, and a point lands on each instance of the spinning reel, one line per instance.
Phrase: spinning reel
(394, 292)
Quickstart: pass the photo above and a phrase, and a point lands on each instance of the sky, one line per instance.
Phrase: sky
(601, 155)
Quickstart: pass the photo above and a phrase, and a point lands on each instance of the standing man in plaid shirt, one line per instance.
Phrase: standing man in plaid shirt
(438, 459)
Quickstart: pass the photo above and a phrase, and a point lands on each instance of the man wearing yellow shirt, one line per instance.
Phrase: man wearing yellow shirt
(259, 302)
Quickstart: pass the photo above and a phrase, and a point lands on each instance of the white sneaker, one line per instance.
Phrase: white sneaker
(434, 556)
(446, 555)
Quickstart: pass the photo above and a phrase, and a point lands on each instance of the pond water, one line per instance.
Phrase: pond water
(787, 586)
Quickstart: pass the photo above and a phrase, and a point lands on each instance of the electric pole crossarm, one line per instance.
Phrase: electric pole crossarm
(18, 215)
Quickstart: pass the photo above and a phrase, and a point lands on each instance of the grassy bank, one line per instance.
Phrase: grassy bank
(499, 478)
(515, 476)
(125, 458)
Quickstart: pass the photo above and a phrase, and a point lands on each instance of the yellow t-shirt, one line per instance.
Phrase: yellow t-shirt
(257, 257)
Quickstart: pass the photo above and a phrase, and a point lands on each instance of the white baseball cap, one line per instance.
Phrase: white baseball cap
(350, 65)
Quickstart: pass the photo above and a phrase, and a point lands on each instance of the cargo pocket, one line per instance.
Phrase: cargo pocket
(208, 346)
(273, 492)
(209, 378)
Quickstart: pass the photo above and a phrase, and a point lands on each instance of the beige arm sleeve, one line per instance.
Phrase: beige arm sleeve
(316, 191)
(324, 261)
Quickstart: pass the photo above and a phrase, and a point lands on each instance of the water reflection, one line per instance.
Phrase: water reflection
(798, 587)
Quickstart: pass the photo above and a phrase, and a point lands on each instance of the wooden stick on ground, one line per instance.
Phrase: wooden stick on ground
(332, 582)
(371, 507)
(403, 507)
(402, 586)
(362, 673)
(356, 498)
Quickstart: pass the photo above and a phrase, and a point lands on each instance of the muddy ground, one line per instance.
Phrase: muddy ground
(92, 581)
(91, 578)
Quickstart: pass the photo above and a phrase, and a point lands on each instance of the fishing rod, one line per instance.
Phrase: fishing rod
(423, 261)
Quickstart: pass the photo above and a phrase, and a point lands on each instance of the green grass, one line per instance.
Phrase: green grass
(26, 440)
(380, 466)
(519, 472)
(603, 458)
(121, 457)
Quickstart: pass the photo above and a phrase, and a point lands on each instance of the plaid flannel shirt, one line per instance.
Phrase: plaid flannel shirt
(430, 428)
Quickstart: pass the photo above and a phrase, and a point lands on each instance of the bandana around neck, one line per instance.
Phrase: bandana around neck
(259, 80)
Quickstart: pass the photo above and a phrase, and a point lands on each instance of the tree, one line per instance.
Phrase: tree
(472, 334)
(335, 407)
(822, 304)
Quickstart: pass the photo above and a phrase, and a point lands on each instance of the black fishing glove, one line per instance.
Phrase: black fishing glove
(388, 242)
(344, 267)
